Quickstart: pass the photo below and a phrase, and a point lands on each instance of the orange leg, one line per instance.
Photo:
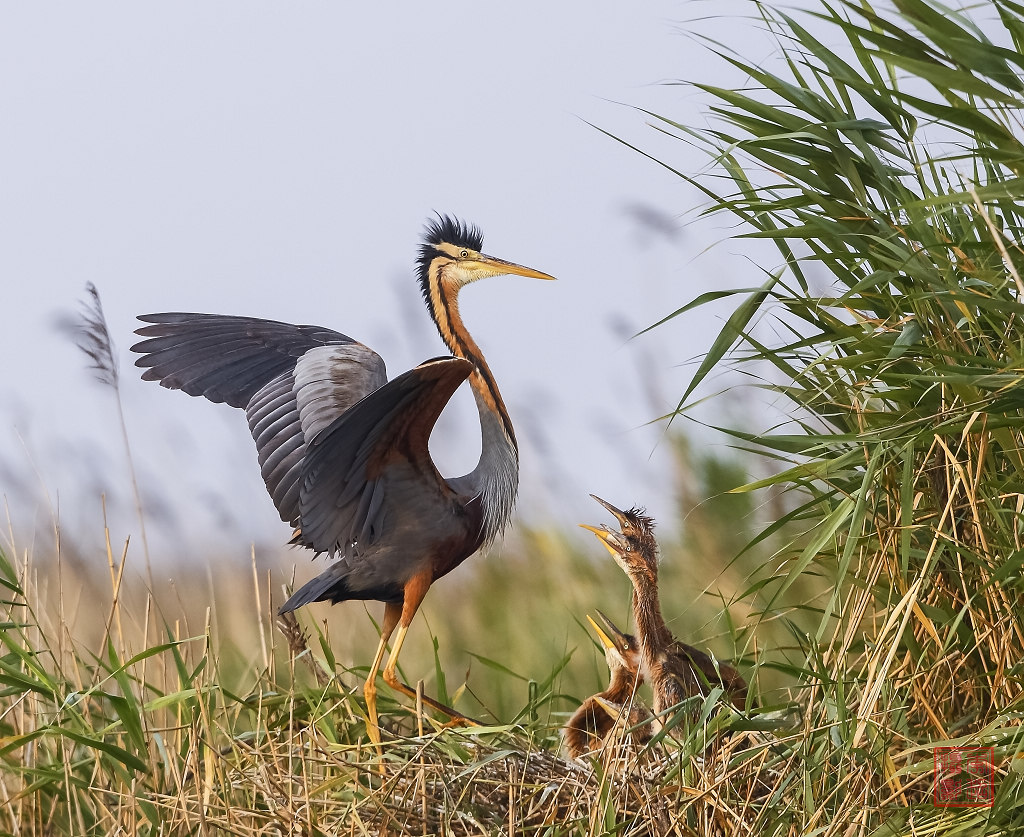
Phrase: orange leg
(392, 679)
(391, 614)
(415, 589)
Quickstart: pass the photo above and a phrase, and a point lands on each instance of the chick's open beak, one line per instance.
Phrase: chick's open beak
(620, 515)
(601, 635)
(613, 541)
(620, 640)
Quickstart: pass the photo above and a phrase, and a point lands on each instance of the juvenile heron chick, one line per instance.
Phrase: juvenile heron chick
(675, 670)
(596, 720)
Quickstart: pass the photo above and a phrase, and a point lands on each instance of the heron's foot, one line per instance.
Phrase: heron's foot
(460, 721)
(372, 721)
(373, 731)
(456, 718)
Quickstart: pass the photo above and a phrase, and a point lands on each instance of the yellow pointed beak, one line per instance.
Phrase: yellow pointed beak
(606, 537)
(501, 266)
(601, 635)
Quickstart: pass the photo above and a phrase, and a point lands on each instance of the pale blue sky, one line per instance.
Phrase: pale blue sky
(279, 160)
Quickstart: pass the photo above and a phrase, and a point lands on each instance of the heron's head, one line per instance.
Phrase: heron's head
(620, 649)
(450, 255)
(633, 547)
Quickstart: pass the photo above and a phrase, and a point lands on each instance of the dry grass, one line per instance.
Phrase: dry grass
(129, 711)
(149, 725)
(879, 612)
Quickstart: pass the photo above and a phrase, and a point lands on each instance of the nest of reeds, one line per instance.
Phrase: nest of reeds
(479, 782)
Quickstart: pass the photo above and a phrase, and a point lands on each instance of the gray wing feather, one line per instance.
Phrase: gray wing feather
(290, 410)
(273, 421)
(331, 379)
(224, 358)
(291, 380)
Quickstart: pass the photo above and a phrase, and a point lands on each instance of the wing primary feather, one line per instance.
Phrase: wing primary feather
(277, 422)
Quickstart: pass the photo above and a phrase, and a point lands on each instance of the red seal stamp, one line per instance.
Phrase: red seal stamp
(965, 777)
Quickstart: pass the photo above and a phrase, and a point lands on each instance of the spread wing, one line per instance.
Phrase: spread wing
(293, 381)
(225, 358)
(358, 468)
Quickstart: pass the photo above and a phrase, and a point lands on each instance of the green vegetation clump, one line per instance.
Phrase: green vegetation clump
(878, 609)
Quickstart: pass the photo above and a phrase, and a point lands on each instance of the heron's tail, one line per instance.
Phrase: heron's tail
(335, 585)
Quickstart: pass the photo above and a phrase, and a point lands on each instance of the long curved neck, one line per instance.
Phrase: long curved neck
(651, 631)
(444, 307)
(496, 476)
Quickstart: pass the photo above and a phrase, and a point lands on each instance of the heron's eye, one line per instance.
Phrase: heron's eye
(625, 646)
(464, 254)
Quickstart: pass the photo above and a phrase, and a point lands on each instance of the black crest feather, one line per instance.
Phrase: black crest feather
(639, 529)
(448, 230)
(453, 231)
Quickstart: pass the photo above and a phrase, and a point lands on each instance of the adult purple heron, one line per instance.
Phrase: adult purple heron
(593, 724)
(344, 452)
(676, 671)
